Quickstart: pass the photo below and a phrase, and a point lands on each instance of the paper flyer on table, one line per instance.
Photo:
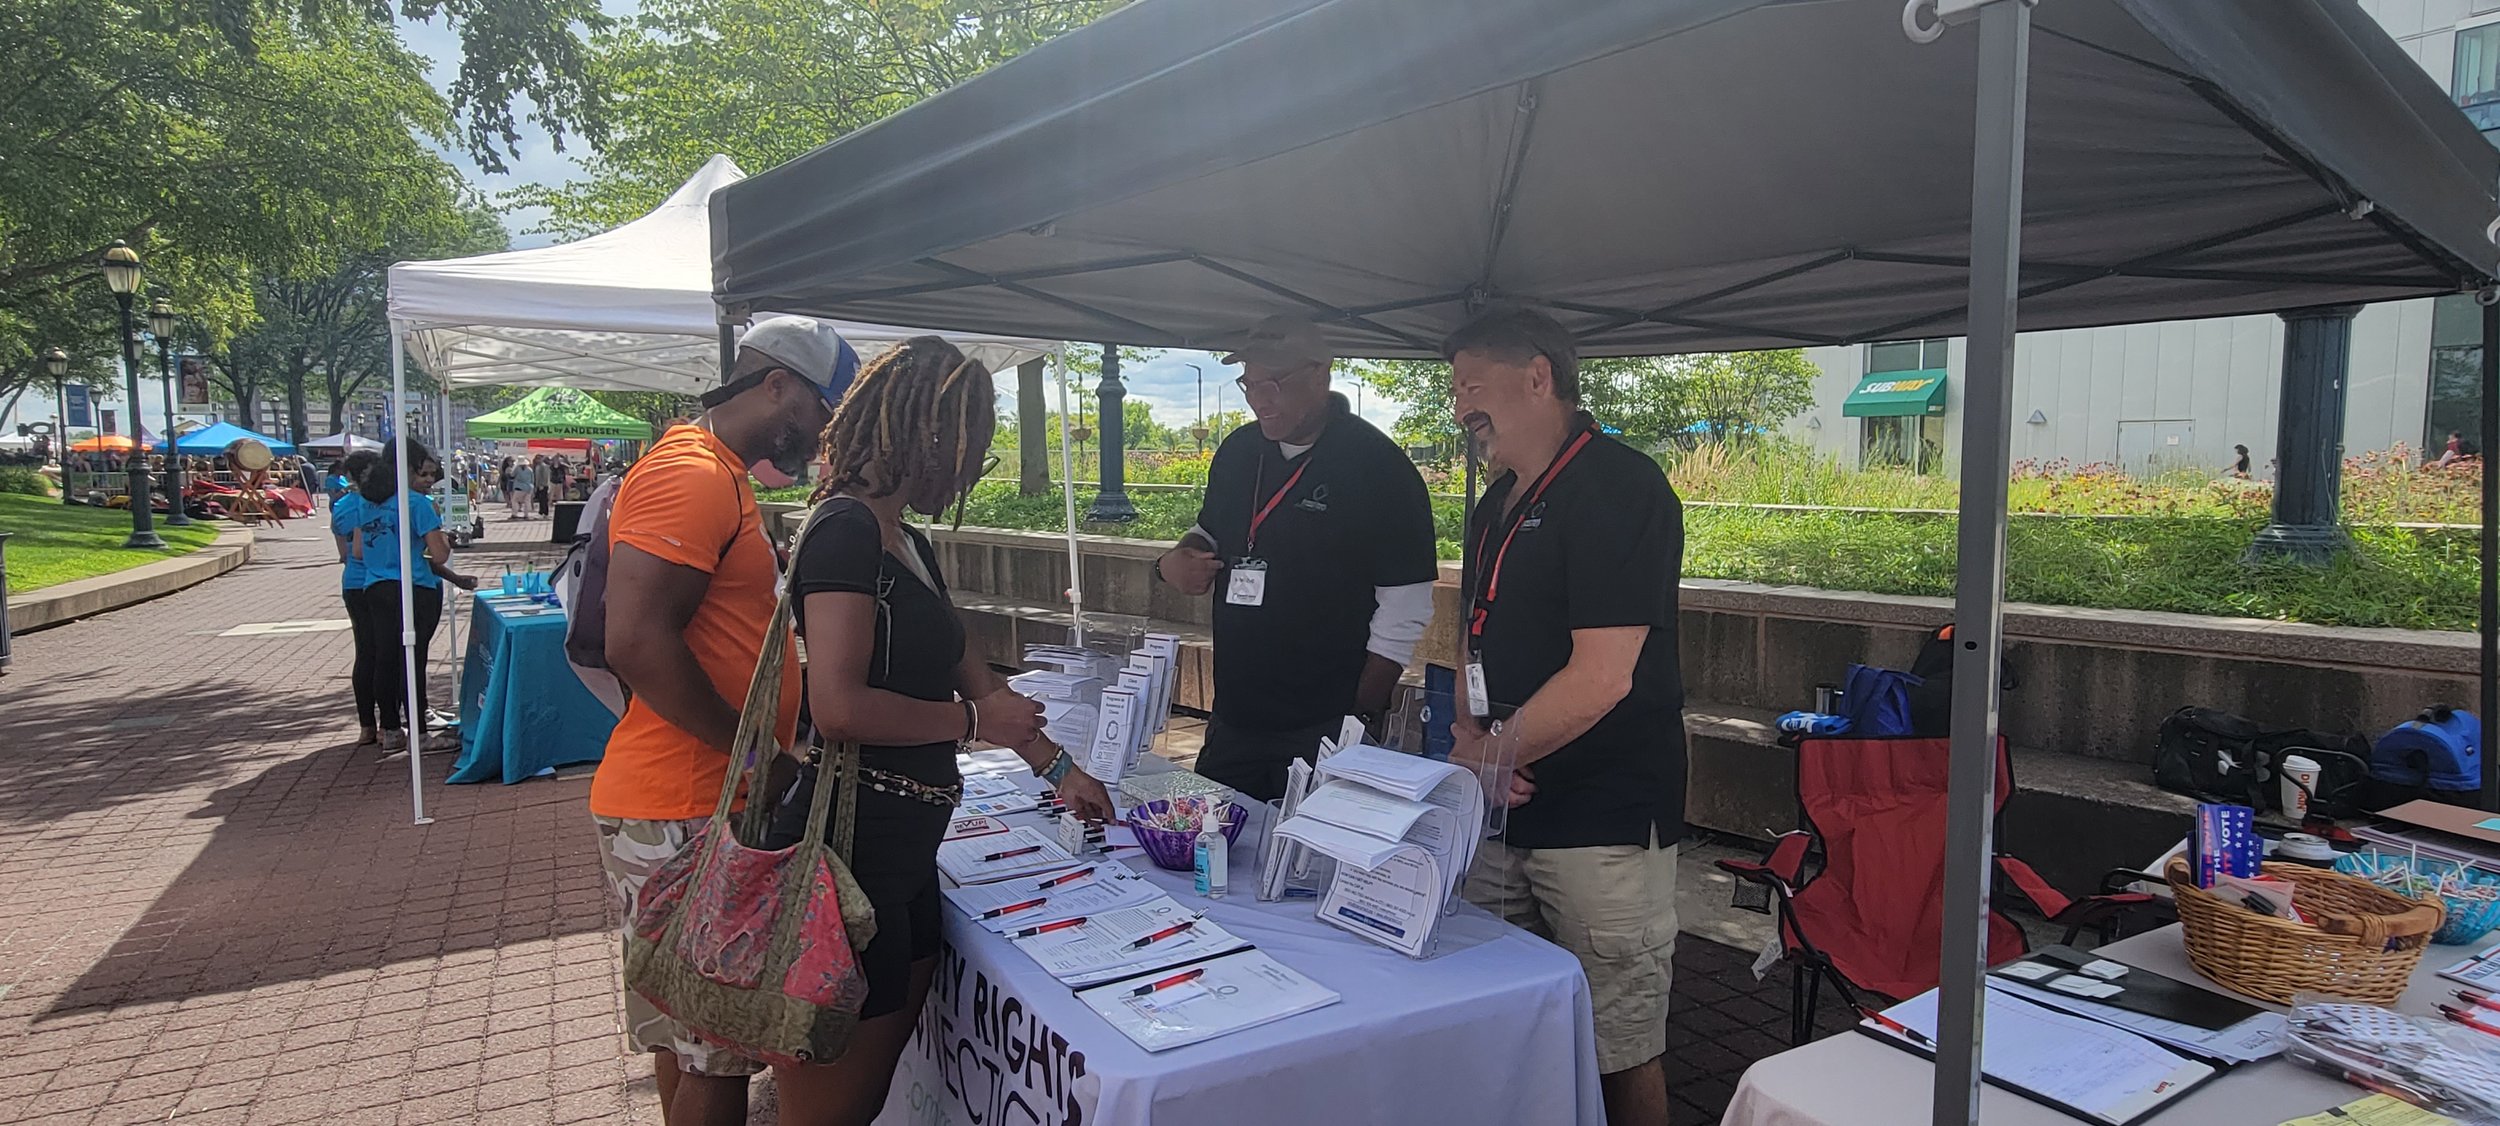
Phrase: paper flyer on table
(1226, 994)
(1000, 805)
(1344, 845)
(1105, 947)
(1352, 805)
(986, 785)
(1167, 650)
(1107, 756)
(2105, 1074)
(1019, 851)
(1397, 904)
(1091, 888)
(2252, 1039)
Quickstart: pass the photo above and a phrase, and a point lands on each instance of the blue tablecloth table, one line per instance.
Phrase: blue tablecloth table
(522, 711)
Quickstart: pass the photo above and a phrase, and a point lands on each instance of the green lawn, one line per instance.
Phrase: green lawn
(51, 542)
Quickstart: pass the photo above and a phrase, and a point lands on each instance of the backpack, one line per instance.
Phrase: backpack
(2210, 754)
(2437, 755)
(581, 583)
(2343, 768)
(1931, 694)
(1876, 702)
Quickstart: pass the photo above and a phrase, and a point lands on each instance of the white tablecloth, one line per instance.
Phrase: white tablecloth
(1852, 1079)
(1493, 1029)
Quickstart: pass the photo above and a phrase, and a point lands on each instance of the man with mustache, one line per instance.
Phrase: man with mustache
(1316, 538)
(1572, 697)
(692, 581)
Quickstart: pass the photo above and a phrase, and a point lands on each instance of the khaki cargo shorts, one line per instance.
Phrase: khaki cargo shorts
(629, 851)
(1613, 907)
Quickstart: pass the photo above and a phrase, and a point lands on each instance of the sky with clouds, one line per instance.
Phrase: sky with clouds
(1166, 383)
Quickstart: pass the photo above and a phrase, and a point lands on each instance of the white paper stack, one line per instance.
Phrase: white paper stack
(1106, 947)
(1226, 994)
(1401, 829)
(1117, 738)
(1025, 901)
(1165, 650)
(1020, 851)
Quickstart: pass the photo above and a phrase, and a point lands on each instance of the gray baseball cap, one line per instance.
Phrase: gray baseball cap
(810, 348)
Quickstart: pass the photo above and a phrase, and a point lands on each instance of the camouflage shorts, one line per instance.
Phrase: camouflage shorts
(629, 851)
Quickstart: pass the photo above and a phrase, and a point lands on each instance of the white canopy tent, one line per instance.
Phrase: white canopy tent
(344, 442)
(628, 309)
(624, 310)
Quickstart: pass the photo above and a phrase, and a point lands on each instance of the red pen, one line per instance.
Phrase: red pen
(1011, 853)
(1012, 908)
(2478, 1000)
(1165, 933)
(2459, 1015)
(1183, 978)
(1915, 1035)
(1067, 877)
(1046, 928)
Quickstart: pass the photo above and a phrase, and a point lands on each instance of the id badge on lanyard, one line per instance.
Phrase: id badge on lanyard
(1479, 703)
(1247, 584)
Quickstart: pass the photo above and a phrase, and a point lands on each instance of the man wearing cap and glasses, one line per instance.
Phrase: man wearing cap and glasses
(1316, 538)
(692, 581)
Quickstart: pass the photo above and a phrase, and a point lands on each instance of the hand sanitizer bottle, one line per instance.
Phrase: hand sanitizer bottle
(1211, 854)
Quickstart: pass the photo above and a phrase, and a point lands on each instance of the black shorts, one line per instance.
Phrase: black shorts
(894, 858)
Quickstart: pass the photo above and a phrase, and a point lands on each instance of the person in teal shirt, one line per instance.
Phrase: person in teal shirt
(346, 508)
(429, 565)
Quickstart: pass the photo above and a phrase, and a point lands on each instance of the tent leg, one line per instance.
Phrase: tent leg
(415, 711)
(1979, 572)
(2490, 616)
(1067, 493)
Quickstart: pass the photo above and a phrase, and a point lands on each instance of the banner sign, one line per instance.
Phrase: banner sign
(107, 412)
(193, 372)
(982, 1057)
(81, 405)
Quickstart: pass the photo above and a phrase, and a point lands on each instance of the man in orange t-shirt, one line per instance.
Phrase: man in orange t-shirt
(692, 581)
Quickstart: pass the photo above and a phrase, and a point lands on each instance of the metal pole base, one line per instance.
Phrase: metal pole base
(144, 539)
(1111, 508)
(2313, 545)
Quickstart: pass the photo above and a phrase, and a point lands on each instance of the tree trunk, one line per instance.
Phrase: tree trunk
(1032, 444)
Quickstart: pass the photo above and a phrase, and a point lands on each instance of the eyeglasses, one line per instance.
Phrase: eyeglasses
(1249, 385)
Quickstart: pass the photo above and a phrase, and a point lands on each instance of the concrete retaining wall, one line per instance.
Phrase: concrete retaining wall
(79, 598)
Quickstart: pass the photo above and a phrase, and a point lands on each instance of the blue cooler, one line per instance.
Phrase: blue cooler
(2439, 750)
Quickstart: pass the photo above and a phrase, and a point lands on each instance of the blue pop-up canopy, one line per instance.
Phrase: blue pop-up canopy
(214, 440)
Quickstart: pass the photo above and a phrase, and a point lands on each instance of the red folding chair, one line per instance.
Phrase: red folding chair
(1868, 919)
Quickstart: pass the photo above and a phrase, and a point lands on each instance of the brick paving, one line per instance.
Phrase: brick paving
(215, 910)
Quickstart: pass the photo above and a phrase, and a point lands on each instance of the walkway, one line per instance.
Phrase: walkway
(214, 909)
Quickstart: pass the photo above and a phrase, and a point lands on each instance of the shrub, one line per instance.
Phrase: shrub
(20, 479)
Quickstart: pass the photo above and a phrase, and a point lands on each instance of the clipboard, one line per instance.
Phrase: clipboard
(2147, 992)
(2190, 1076)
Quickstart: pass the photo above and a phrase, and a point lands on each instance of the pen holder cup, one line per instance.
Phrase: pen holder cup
(1175, 849)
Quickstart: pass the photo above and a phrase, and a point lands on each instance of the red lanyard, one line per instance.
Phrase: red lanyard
(1273, 501)
(1493, 575)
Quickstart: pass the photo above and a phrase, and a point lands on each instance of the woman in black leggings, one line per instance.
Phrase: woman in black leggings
(345, 511)
(429, 558)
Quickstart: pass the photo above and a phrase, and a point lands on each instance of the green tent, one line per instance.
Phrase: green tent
(557, 412)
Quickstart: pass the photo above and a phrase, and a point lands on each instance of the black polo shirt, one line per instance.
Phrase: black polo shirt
(1357, 518)
(1602, 546)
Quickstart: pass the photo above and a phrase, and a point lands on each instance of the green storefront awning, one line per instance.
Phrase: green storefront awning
(1894, 393)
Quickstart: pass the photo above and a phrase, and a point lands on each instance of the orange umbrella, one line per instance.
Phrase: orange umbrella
(105, 443)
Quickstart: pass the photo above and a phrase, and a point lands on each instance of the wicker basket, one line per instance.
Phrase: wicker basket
(2363, 945)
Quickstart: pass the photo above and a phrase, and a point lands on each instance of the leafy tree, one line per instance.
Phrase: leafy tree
(766, 80)
(508, 50)
(1653, 400)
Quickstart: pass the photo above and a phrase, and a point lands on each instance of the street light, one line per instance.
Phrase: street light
(56, 364)
(1200, 431)
(121, 273)
(161, 325)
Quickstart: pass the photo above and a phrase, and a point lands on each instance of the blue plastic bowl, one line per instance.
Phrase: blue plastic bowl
(2468, 919)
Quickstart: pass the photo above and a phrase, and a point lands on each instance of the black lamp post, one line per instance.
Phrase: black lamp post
(161, 325)
(121, 273)
(1111, 504)
(56, 364)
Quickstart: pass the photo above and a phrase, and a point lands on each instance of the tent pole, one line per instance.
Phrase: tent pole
(2489, 618)
(1979, 568)
(1067, 493)
(415, 717)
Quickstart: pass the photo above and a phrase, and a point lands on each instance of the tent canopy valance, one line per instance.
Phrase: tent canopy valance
(1664, 176)
(557, 412)
(213, 439)
(624, 310)
(344, 442)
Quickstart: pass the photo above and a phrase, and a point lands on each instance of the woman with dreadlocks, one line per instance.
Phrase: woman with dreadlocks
(887, 669)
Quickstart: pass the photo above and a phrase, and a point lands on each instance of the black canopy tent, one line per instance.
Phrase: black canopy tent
(1665, 176)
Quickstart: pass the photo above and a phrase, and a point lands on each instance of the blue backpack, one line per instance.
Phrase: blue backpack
(2439, 751)
(1877, 701)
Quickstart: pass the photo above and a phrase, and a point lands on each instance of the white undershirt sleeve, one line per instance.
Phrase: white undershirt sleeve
(1399, 620)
